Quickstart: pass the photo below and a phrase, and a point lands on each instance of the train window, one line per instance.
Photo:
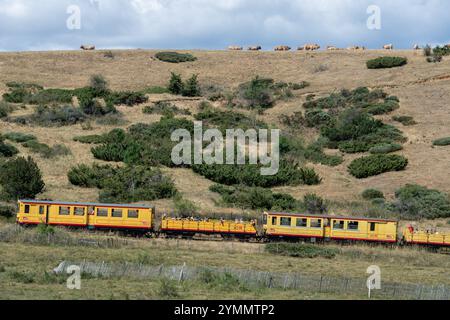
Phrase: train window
(316, 223)
(133, 214)
(41, 209)
(116, 213)
(64, 211)
(286, 222)
(353, 225)
(78, 212)
(372, 226)
(102, 212)
(27, 208)
(274, 221)
(302, 223)
(338, 225)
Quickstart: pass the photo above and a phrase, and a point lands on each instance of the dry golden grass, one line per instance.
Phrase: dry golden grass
(423, 89)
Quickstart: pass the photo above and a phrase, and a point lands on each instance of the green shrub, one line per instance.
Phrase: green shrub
(386, 62)
(301, 250)
(386, 148)
(7, 211)
(136, 183)
(314, 204)
(165, 108)
(250, 175)
(317, 118)
(128, 98)
(175, 57)
(19, 137)
(7, 150)
(296, 121)
(91, 139)
(5, 109)
(377, 164)
(371, 194)
(44, 229)
(191, 87)
(99, 84)
(21, 178)
(184, 207)
(176, 85)
(405, 120)
(124, 184)
(53, 116)
(90, 177)
(257, 93)
(442, 142)
(255, 198)
(156, 90)
(46, 151)
(413, 201)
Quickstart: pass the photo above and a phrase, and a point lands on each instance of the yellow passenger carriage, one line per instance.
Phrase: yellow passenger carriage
(316, 227)
(139, 218)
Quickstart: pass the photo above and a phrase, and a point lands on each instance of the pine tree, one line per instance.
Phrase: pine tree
(191, 87)
(21, 178)
(176, 85)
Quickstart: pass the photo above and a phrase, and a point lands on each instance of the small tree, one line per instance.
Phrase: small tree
(176, 85)
(21, 178)
(191, 87)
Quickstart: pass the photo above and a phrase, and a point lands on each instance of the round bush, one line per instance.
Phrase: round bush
(386, 148)
(386, 62)
(377, 164)
(442, 142)
(175, 57)
(371, 194)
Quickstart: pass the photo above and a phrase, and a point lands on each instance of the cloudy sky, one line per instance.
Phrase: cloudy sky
(215, 24)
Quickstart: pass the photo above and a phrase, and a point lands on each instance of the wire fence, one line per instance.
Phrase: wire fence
(262, 279)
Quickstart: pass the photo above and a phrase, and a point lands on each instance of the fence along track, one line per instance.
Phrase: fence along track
(262, 279)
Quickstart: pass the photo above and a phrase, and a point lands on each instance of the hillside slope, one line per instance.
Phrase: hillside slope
(423, 89)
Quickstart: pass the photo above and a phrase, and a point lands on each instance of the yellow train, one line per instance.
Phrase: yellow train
(319, 227)
(275, 226)
(87, 215)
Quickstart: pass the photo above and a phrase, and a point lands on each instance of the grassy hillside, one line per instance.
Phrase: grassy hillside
(422, 88)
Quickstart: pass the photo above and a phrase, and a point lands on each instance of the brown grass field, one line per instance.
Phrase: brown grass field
(423, 88)
(424, 92)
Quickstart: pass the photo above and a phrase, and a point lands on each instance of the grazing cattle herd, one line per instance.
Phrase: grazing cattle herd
(306, 47)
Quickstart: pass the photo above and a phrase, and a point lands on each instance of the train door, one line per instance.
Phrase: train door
(90, 218)
(372, 230)
(43, 213)
(327, 228)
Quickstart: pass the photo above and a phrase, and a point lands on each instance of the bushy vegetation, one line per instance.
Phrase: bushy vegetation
(292, 149)
(7, 150)
(7, 211)
(21, 178)
(386, 62)
(417, 202)
(124, 184)
(165, 108)
(255, 198)
(385, 148)
(19, 137)
(175, 57)
(405, 120)
(442, 142)
(190, 88)
(435, 55)
(370, 194)
(53, 116)
(377, 164)
(45, 150)
(5, 109)
(250, 175)
(314, 204)
(301, 250)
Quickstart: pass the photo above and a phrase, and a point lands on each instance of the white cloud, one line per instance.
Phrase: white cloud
(213, 24)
